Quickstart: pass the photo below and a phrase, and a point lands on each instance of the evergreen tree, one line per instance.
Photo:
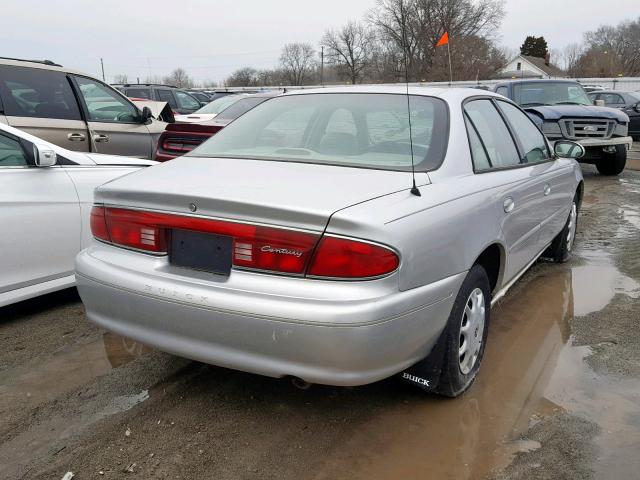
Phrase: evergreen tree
(534, 47)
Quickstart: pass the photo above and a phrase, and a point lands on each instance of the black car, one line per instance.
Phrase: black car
(180, 101)
(628, 102)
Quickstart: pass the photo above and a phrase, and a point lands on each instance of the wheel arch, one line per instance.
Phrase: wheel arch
(493, 259)
(580, 192)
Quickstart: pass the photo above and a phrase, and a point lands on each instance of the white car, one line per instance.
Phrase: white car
(46, 194)
(211, 110)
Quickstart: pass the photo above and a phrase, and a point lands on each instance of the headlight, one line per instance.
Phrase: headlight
(622, 129)
(551, 129)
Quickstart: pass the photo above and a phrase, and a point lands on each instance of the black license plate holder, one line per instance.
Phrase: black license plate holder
(203, 251)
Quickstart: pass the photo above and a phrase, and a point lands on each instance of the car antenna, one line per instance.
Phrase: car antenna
(414, 189)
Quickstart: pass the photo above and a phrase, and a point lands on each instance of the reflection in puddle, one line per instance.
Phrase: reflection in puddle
(62, 372)
(27, 387)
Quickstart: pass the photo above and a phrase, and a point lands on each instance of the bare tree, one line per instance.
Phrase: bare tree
(349, 49)
(413, 27)
(297, 61)
(157, 79)
(243, 77)
(179, 78)
(122, 78)
(618, 46)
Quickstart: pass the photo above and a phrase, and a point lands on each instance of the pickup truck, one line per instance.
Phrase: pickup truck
(562, 110)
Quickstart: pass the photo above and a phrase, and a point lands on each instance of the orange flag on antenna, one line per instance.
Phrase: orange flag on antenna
(444, 39)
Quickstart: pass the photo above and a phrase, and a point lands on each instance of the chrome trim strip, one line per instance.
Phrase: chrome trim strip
(31, 283)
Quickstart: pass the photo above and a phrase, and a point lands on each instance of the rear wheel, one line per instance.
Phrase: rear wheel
(613, 163)
(467, 334)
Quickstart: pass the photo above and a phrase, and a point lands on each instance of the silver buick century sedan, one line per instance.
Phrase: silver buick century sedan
(335, 236)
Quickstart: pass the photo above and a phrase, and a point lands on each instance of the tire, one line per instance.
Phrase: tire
(459, 371)
(560, 249)
(613, 163)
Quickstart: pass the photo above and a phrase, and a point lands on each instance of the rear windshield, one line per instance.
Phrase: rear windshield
(219, 104)
(351, 129)
(240, 108)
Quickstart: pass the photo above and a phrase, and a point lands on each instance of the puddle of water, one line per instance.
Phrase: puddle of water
(30, 386)
(468, 437)
(530, 371)
(69, 368)
(595, 284)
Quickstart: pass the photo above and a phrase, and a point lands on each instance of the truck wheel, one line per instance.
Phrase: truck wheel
(613, 163)
(561, 247)
(466, 337)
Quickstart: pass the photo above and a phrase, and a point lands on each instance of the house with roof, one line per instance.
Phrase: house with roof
(525, 66)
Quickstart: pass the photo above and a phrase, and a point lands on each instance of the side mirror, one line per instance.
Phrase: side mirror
(599, 103)
(44, 156)
(567, 149)
(146, 115)
(636, 107)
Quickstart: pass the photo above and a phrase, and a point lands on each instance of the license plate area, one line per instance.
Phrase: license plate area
(207, 252)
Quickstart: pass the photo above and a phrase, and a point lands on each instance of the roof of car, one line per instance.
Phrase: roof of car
(451, 94)
(41, 64)
(541, 80)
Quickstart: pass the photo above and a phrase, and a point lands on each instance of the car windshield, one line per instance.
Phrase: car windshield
(351, 129)
(550, 93)
(219, 104)
(634, 95)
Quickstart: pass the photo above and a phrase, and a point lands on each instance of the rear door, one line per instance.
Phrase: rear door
(39, 218)
(518, 186)
(42, 103)
(114, 122)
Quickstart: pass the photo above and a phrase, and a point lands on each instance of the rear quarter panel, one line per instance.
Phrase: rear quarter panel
(86, 179)
(438, 234)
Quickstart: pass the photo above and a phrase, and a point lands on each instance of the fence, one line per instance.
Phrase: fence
(620, 83)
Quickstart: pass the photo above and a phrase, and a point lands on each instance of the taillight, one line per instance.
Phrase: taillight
(256, 247)
(98, 224)
(337, 257)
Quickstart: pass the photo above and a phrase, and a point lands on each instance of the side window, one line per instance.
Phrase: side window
(493, 133)
(138, 93)
(531, 139)
(165, 95)
(611, 98)
(502, 91)
(34, 92)
(104, 104)
(11, 153)
(478, 153)
(186, 101)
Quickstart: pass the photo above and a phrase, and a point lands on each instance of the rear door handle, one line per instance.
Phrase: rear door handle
(508, 204)
(100, 138)
(77, 137)
(547, 190)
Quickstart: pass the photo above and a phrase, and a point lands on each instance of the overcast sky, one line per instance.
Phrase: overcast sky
(211, 38)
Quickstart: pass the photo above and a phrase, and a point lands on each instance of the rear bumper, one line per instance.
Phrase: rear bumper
(274, 326)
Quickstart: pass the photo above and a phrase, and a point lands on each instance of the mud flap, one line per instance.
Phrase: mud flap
(426, 373)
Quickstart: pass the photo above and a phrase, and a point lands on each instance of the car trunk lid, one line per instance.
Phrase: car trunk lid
(288, 194)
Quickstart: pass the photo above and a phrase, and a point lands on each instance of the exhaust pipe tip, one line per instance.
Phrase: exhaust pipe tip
(301, 384)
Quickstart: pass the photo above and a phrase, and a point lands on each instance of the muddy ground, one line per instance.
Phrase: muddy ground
(558, 395)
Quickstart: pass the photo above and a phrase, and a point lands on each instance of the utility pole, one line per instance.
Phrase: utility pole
(102, 65)
(322, 65)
